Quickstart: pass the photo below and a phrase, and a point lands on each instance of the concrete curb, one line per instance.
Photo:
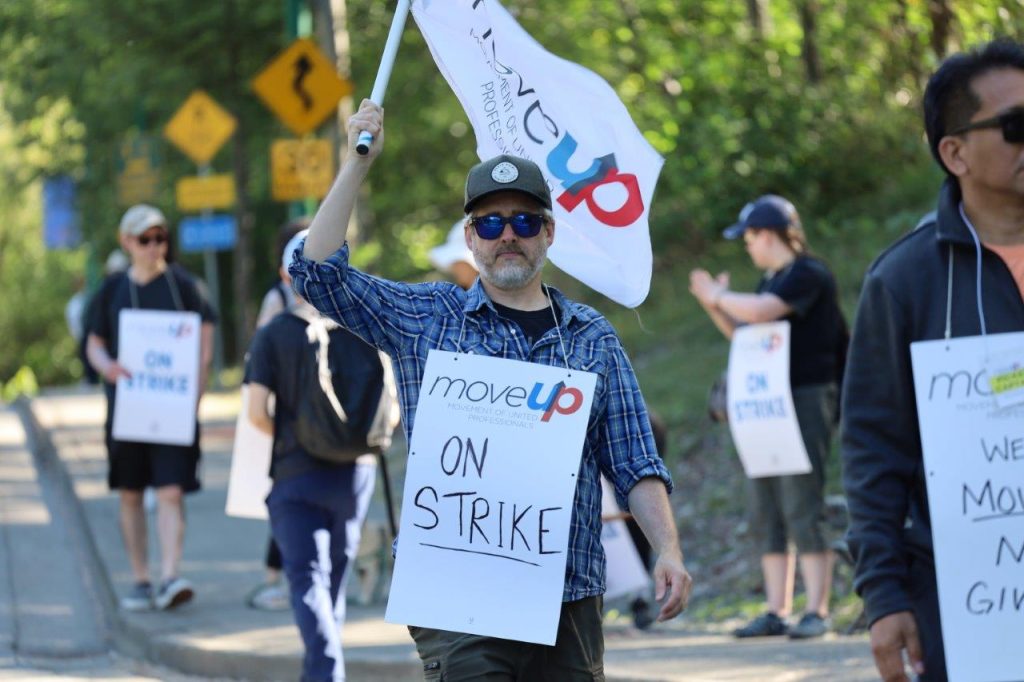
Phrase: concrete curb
(64, 504)
(186, 657)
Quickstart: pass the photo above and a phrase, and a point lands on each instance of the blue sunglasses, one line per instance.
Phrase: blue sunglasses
(524, 225)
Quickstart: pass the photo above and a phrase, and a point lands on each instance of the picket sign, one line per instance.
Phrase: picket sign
(491, 477)
(249, 481)
(157, 404)
(974, 465)
(762, 418)
(625, 573)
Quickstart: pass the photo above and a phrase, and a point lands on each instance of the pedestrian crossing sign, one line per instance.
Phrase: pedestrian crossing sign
(200, 127)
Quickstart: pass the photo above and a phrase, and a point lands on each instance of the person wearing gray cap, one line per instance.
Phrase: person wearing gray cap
(508, 228)
(150, 283)
(799, 289)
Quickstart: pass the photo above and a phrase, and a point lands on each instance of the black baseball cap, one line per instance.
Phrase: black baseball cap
(506, 173)
(767, 212)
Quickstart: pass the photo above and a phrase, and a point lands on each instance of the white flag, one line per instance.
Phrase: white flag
(524, 101)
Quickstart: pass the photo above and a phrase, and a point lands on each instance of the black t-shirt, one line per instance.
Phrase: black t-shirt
(534, 323)
(816, 324)
(114, 296)
(274, 356)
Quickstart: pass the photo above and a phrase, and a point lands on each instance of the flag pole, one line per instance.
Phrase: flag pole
(387, 61)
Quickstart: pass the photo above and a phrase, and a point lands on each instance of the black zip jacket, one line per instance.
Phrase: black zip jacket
(904, 300)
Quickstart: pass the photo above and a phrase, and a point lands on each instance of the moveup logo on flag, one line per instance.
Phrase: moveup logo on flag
(525, 101)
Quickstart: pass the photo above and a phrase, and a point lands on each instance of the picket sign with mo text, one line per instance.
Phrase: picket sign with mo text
(974, 467)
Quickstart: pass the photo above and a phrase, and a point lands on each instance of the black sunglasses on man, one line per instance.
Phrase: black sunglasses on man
(1011, 122)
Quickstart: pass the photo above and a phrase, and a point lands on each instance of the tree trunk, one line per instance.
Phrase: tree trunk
(331, 20)
(760, 20)
(942, 17)
(808, 22)
(904, 43)
(245, 318)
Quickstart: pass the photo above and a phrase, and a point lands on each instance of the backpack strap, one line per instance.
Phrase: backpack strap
(317, 328)
(172, 284)
(387, 416)
(283, 292)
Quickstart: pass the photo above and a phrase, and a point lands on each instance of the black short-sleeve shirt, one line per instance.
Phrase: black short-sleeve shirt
(273, 361)
(114, 296)
(816, 324)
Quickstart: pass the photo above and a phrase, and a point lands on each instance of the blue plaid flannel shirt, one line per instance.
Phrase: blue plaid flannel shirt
(406, 321)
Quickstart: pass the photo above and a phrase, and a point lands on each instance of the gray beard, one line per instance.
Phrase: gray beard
(511, 277)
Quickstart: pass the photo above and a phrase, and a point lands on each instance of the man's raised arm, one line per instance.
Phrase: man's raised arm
(327, 232)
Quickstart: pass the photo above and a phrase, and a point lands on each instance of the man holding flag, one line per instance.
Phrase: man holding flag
(507, 313)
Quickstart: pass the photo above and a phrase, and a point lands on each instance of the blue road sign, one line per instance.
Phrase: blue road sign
(217, 232)
(61, 222)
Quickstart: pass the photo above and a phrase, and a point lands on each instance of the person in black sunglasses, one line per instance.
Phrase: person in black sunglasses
(510, 313)
(151, 283)
(960, 273)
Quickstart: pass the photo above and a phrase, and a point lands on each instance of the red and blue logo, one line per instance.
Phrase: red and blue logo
(554, 403)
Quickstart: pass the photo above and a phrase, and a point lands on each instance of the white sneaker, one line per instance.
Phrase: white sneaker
(270, 597)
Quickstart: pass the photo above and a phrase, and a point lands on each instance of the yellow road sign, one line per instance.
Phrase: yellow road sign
(138, 169)
(301, 169)
(137, 188)
(203, 192)
(301, 86)
(200, 127)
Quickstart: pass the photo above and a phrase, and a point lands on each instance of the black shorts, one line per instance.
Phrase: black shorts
(137, 466)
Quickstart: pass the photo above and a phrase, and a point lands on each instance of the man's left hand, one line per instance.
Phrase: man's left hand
(672, 585)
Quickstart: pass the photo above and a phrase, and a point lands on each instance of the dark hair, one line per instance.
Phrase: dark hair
(949, 101)
(287, 231)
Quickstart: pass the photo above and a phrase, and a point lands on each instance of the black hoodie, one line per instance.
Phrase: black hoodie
(904, 300)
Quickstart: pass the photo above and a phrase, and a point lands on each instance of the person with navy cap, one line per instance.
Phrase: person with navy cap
(799, 288)
(508, 228)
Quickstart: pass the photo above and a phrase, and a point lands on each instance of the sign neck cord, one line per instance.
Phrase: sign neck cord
(133, 291)
(558, 329)
(949, 293)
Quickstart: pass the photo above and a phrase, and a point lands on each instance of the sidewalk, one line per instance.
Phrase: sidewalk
(42, 611)
(218, 636)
